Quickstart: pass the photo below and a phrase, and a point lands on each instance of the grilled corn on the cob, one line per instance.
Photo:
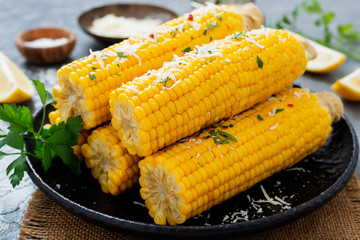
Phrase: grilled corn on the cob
(191, 177)
(110, 163)
(215, 81)
(85, 84)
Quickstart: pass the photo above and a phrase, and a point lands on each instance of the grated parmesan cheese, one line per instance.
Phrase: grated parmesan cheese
(123, 27)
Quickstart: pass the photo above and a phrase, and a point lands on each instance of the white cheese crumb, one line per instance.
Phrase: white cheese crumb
(274, 127)
(140, 204)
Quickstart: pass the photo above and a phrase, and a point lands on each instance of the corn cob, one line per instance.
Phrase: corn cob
(191, 177)
(54, 118)
(216, 81)
(110, 163)
(85, 84)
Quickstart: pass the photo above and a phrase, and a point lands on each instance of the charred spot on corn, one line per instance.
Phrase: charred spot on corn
(259, 62)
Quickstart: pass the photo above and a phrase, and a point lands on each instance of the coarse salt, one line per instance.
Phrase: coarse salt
(46, 42)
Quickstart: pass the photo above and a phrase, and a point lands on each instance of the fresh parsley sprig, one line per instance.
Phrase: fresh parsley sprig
(344, 40)
(50, 142)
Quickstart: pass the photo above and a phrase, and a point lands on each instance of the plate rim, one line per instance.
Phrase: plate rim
(228, 229)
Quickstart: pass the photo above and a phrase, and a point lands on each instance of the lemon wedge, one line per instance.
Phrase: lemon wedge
(15, 85)
(327, 59)
(349, 86)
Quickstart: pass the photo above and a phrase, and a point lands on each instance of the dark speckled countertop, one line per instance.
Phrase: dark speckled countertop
(20, 15)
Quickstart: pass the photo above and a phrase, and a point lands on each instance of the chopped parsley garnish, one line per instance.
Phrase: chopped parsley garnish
(191, 37)
(224, 126)
(118, 65)
(225, 134)
(118, 74)
(121, 54)
(205, 31)
(260, 117)
(259, 62)
(217, 139)
(224, 141)
(93, 68)
(213, 132)
(188, 49)
(165, 80)
(217, 2)
(210, 52)
(220, 18)
(206, 137)
(213, 25)
(92, 77)
(279, 110)
(211, 39)
(238, 36)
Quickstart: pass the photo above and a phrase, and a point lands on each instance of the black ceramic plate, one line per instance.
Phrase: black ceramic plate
(305, 187)
(138, 11)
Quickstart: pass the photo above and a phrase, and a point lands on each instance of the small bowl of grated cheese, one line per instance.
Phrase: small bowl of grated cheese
(113, 23)
(46, 45)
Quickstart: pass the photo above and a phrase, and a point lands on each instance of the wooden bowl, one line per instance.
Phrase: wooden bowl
(138, 11)
(45, 54)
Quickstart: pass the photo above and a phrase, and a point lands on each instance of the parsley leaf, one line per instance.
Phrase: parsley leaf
(15, 140)
(279, 110)
(20, 118)
(121, 55)
(217, 139)
(225, 134)
(19, 167)
(347, 31)
(188, 49)
(45, 97)
(92, 77)
(259, 62)
(58, 140)
(342, 40)
(259, 117)
(165, 80)
(238, 36)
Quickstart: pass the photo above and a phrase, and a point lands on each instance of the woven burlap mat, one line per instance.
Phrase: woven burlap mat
(338, 219)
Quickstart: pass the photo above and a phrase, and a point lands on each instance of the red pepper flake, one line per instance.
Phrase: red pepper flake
(151, 35)
(190, 17)
(290, 105)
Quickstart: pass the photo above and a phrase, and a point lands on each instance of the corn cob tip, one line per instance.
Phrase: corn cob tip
(332, 103)
(253, 18)
(309, 49)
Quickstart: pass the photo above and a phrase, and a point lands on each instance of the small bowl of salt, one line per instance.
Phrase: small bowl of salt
(46, 45)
